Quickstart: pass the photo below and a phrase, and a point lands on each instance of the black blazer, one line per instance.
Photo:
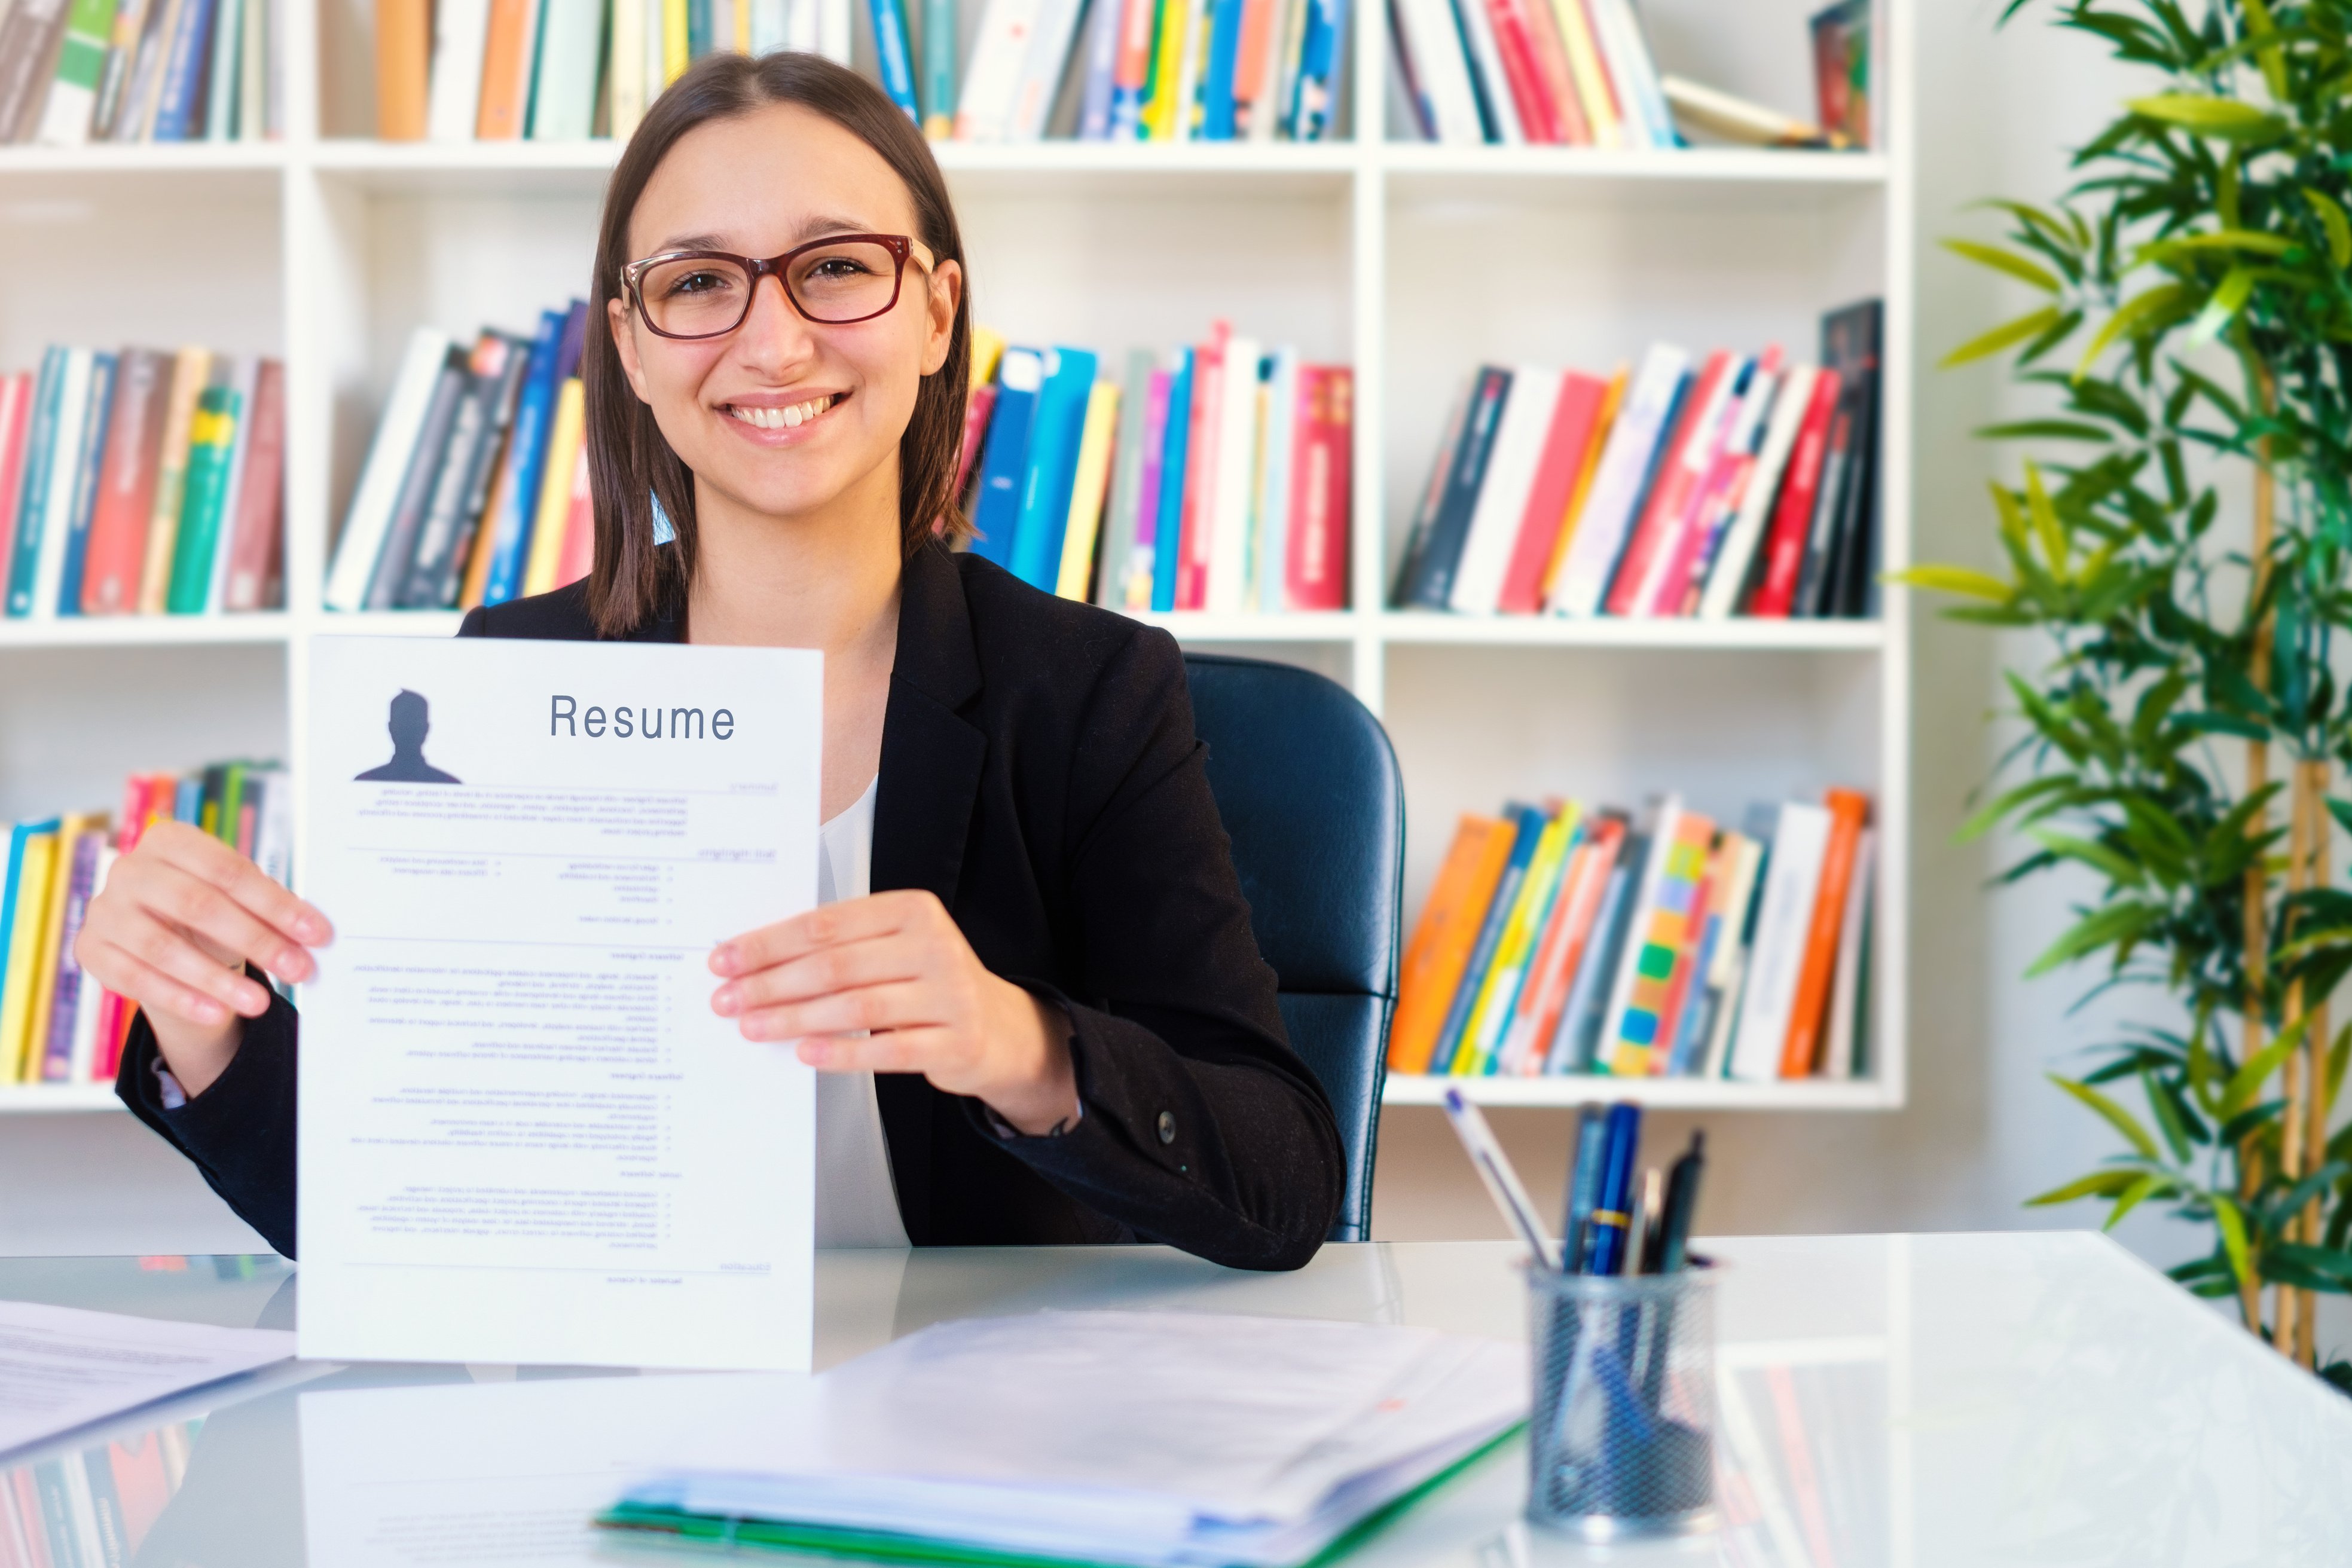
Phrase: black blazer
(1040, 775)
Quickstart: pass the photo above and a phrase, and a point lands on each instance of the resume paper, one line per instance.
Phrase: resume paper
(523, 1135)
(61, 1367)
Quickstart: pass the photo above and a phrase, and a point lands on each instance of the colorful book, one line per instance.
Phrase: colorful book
(1195, 528)
(563, 80)
(1439, 949)
(15, 425)
(1167, 540)
(212, 433)
(61, 595)
(1500, 505)
(1664, 924)
(1088, 490)
(939, 68)
(369, 521)
(1688, 452)
(1431, 562)
(255, 547)
(80, 62)
(1576, 1045)
(1322, 474)
(192, 371)
(1620, 482)
(42, 459)
(506, 546)
(565, 437)
(1726, 576)
(508, 47)
(1783, 561)
(1051, 469)
(896, 60)
(1841, 1049)
(1142, 567)
(493, 375)
(1233, 475)
(62, 478)
(244, 379)
(1282, 417)
(58, 1011)
(1800, 1050)
(1452, 1054)
(113, 561)
(32, 858)
(403, 54)
(179, 104)
(1777, 955)
(1121, 504)
(1571, 437)
(428, 456)
(1004, 463)
(1498, 989)
(1560, 949)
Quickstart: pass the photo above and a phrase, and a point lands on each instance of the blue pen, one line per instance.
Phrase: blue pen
(1612, 1215)
(1583, 1186)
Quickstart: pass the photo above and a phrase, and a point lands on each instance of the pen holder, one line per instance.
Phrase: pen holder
(1620, 1437)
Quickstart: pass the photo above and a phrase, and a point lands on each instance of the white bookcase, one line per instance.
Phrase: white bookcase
(1412, 262)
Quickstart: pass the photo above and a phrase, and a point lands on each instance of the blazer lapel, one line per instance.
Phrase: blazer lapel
(931, 762)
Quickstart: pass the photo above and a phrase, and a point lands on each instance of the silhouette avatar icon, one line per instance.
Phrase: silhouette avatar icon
(410, 722)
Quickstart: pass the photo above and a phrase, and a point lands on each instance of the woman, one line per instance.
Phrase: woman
(1072, 1036)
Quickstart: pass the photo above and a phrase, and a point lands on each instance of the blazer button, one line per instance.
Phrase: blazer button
(1167, 1127)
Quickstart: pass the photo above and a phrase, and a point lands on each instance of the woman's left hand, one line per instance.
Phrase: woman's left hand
(897, 964)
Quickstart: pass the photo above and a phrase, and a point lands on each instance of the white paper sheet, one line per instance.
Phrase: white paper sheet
(61, 1367)
(524, 1136)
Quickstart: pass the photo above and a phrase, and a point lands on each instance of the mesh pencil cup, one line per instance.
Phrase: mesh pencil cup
(1620, 1435)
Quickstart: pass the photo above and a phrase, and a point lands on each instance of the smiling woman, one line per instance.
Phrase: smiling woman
(1033, 993)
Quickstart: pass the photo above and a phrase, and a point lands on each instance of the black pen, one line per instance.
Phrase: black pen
(1673, 1249)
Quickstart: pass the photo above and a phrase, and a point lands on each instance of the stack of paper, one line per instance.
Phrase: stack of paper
(1133, 1437)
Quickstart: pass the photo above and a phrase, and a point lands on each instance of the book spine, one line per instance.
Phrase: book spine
(15, 425)
(979, 403)
(181, 100)
(1051, 470)
(1159, 111)
(578, 556)
(1142, 559)
(30, 34)
(939, 68)
(898, 63)
(1212, 384)
(64, 486)
(1706, 469)
(419, 478)
(1101, 71)
(553, 507)
(369, 520)
(82, 63)
(1127, 458)
(1605, 125)
(1498, 115)
(1724, 575)
(1448, 1055)
(1431, 969)
(1784, 550)
(1501, 502)
(1776, 957)
(1252, 50)
(41, 459)
(1217, 109)
(1088, 492)
(220, 90)
(1514, 51)
(1413, 563)
(1433, 587)
(64, 597)
(1575, 417)
(1685, 457)
(114, 76)
(460, 40)
(1004, 467)
(992, 76)
(1315, 94)
(509, 541)
(1800, 1047)
(80, 881)
(191, 374)
(1175, 459)
(1234, 476)
(242, 383)
(418, 586)
(210, 435)
(1636, 438)
(256, 540)
(509, 365)
(1289, 400)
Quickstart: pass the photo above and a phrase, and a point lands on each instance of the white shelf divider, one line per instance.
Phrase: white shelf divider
(325, 187)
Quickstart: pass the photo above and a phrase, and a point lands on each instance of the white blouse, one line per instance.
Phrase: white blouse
(856, 1199)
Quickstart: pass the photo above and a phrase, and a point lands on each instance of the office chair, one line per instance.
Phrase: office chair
(1307, 786)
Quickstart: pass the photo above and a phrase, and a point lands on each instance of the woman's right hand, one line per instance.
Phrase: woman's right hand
(179, 917)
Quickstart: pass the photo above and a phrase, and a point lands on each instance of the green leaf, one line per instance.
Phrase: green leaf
(2045, 430)
(2226, 118)
(2233, 1226)
(2248, 1080)
(2267, 52)
(2116, 923)
(2217, 239)
(1954, 580)
(2001, 337)
(2127, 319)
(2117, 867)
(2222, 724)
(2229, 298)
(2098, 1184)
(2008, 262)
(2332, 219)
(2046, 526)
(2007, 801)
(2146, 1187)
(2114, 1115)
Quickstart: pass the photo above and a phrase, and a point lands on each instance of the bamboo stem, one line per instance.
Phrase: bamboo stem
(2257, 916)
(2286, 1303)
(2314, 1108)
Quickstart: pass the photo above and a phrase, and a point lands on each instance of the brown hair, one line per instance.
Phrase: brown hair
(629, 462)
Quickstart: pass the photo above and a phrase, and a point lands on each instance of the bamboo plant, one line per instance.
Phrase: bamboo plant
(2185, 737)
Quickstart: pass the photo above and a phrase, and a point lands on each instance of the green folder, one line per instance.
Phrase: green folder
(723, 1534)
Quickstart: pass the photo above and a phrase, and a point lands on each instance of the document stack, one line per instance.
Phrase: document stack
(1152, 1439)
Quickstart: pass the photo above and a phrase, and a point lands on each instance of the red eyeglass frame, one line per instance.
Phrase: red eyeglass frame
(901, 246)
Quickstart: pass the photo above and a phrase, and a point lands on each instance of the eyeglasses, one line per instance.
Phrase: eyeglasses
(708, 293)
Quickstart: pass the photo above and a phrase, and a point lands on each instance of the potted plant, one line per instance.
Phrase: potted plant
(2184, 736)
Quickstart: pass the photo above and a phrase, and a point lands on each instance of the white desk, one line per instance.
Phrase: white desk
(1930, 1401)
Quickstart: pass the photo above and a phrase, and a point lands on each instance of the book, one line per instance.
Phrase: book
(1142, 563)
(1738, 120)
(1125, 499)
(1783, 553)
(1572, 435)
(255, 543)
(505, 550)
(991, 81)
(244, 378)
(427, 456)
(1777, 955)
(1527, 829)
(563, 84)
(1594, 94)
(509, 45)
(137, 122)
(1662, 929)
(1685, 457)
(121, 50)
(1216, 86)
(1641, 429)
(1631, 73)
(1004, 463)
(31, 32)
(1051, 467)
(1850, 344)
(1575, 1045)
(61, 476)
(1801, 1050)
(577, 556)
(1727, 965)
(891, 53)
(72, 98)
(979, 402)
(1840, 1047)
(1195, 519)
(1130, 69)
(461, 492)
(32, 857)
(553, 511)
(1498, 988)
(404, 51)
(1560, 951)
(1175, 458)
(1675, 571)
(1088, 490)
(226, 46)
(15, 425)
(1431, 586)
(1282, 416)
(77, 879)
(369, 520)
(939, 68)
(1233, 474)
(1500, 505)
(633, 77)
(212, 433)
(1840, 35)
(1413, 565)
(1499, 114)
(61, 595)
(1728, 575)
(192, 371)
(1723, 900)
(40, 461)
(1438, 952)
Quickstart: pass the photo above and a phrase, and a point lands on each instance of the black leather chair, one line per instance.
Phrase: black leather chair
(1307, 785)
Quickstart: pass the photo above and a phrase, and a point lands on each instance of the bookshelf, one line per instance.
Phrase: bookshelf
(1414, 263)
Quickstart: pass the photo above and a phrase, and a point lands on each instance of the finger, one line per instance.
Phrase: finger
(206, 858)
(899, 1004)
(900, 1051)
(876, 961)
(852, 920)
(155, 942)
(204, 911)
(127, 975)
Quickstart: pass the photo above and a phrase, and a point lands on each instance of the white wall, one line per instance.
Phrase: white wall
(1983, 1129)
